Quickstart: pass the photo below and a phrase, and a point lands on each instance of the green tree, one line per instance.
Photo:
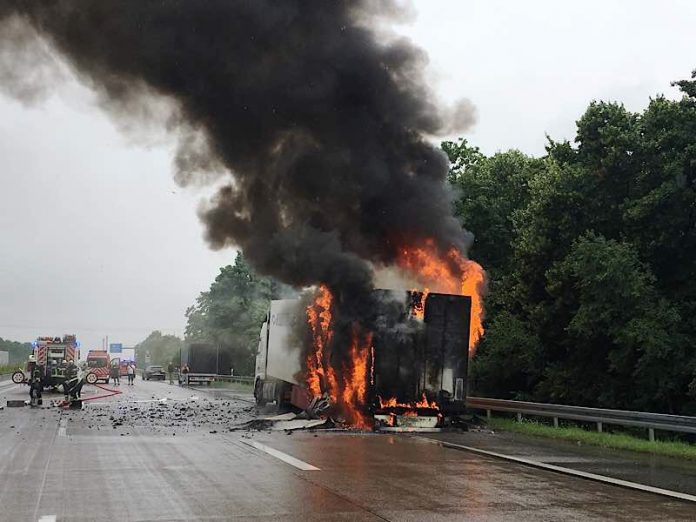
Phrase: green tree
(611, 327)
(508, 364)
(591, 249)
(18, 352)
(491, 191)
(162, 349)
(231, 312)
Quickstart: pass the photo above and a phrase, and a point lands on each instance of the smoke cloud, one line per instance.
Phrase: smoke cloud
(316, 121)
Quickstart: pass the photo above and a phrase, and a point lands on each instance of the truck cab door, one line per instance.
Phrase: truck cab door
(261, 354)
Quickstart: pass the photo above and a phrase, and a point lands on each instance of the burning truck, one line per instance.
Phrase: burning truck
(405, 366)
(412, 374)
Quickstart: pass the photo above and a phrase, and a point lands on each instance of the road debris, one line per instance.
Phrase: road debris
(160, 416)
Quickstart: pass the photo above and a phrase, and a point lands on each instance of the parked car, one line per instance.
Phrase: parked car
(154, 372)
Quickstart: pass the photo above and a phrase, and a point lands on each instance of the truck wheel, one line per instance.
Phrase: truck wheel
(280, 395)
(18, 377)
(92, 378)
(258, 393)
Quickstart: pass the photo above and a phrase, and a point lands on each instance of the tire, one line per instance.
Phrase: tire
(92, 378)
(106, 381)
(18, 377)
(280, 395)
(258, 394)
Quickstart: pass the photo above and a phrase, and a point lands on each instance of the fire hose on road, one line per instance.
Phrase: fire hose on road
(111, 393)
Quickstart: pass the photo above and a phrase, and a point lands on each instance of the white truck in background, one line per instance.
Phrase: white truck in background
(278, 361)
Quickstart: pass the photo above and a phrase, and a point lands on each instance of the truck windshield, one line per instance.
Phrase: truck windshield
(96, 363)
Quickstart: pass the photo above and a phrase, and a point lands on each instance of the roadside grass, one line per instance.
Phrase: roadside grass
(4, 370)
(623, 441)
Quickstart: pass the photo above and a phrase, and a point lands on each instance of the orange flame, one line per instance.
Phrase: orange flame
(319, 319)
(349, 394)
(419, 307)
(393, 403)
(355, 379)
(453, 274)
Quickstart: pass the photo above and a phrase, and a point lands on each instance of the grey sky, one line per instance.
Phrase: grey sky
(96, 238)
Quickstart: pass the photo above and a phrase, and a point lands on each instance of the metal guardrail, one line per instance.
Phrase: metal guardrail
(234, 378)
(599, 416)
(243, 379)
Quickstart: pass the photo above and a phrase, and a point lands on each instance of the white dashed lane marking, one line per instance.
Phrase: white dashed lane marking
(299, 464)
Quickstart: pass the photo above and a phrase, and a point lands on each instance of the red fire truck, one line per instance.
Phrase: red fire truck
(51, 353)
(98, 366)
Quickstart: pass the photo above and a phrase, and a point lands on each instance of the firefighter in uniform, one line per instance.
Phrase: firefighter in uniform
(35, 384)
(73, 383)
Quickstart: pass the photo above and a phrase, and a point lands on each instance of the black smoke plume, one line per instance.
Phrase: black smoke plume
(318, 122)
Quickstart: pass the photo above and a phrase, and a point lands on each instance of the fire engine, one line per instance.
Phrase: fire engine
(99, 367)
(51, 353)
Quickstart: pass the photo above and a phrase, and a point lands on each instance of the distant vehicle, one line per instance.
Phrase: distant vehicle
(154, 372)
(204, 362)
(123, 367)
(98, 366)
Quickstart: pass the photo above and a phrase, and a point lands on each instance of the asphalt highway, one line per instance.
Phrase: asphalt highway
(160, 452)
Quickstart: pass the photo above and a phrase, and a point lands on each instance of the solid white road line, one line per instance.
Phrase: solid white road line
(568, 471)
(47, 518)
(299, 464)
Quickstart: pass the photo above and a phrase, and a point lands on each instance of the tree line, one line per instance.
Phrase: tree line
(228, 315)
(17, 352)
(590, 251)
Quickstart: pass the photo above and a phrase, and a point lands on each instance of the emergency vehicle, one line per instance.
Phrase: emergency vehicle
(123, 367)
(98, 366)
(51, 355)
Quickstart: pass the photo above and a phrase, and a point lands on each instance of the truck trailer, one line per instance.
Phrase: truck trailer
(414, 354)
(203, 362)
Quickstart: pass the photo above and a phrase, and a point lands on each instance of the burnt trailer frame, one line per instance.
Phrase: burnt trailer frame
(430, 359)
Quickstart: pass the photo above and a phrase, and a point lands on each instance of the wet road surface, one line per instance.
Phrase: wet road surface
(653, 470)
(135, 456)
